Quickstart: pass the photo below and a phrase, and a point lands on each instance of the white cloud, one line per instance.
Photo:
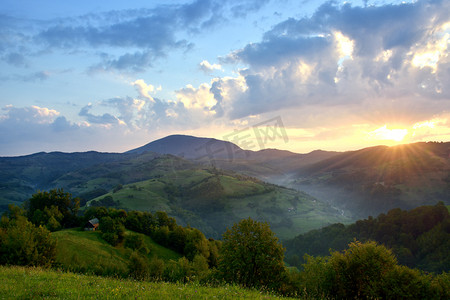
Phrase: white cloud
(32, 114)
(144, 89)
(206, 67)
(197, 98)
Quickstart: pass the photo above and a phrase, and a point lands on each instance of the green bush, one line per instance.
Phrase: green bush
(367, 271)
(21, 243)
(139, 267)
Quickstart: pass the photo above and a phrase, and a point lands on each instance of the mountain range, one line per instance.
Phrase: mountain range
(209, 183)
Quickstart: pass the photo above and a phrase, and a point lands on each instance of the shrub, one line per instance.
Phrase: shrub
(21, 243)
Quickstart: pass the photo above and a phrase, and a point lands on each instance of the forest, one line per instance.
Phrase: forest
(419, 238)
(365, 262)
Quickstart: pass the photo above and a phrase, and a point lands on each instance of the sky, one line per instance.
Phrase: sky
(111, 76)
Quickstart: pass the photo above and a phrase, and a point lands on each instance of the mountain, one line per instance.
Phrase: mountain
(267, 164)
(191, 147)
(373, 180)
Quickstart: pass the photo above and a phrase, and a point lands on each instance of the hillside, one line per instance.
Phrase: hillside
(212, 200)
(373, 180)
(86, 252)
(21, 176)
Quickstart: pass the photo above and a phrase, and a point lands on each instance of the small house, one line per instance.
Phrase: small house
(91, 225)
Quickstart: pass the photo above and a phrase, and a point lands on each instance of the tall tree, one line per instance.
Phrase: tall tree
(251, 255)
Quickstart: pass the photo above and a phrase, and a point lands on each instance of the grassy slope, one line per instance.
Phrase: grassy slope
(27, 283)
(217, 200)
(86, 251)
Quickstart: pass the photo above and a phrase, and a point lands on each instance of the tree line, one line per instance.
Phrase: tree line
(419, 238)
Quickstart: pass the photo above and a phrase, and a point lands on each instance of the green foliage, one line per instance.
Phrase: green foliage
(419, 237)
(112, 230)
(53, 209)
(135, 242)
(367, 271)
(251, 255)
(21, 243)
(138, 266)
(107, 201)
(87, 252)
(156, 268)
(359, 270)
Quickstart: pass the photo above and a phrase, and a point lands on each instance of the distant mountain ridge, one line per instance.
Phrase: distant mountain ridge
(263, 164)
(360, 183)
(373, 180)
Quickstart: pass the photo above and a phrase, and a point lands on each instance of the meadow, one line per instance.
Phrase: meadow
(31, 283)
(86, 252)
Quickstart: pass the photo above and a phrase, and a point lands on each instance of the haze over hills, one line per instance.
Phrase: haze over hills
(191, 177)
(373, 180)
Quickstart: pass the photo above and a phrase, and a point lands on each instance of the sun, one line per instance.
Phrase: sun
(384, 133)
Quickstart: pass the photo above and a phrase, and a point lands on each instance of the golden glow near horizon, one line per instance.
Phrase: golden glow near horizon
(384, 133)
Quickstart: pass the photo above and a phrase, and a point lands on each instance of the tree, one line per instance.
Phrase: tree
(251, 255)
(112, 230)
(359, 270)
(42, 206)
(21, 243)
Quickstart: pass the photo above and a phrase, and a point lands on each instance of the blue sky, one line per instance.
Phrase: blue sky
(114, 75)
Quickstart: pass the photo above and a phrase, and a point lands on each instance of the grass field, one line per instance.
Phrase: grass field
(35, 283)
(87, 252)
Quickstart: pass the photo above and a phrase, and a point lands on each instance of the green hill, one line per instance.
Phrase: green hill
(87, 252)
(31, 283)
(212, 200)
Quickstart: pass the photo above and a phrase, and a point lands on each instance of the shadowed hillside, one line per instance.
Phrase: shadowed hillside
(373, 180)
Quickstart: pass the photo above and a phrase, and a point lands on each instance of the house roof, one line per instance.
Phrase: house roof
(94, 221)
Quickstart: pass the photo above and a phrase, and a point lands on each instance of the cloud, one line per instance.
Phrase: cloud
(16, 59)
(33, 114)
(242, 8)
(26, 130)
(345, 55)
(152, 32)
(197, 98)
(132, 39)
(104, 119)
(144, 89)
(206, 67)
